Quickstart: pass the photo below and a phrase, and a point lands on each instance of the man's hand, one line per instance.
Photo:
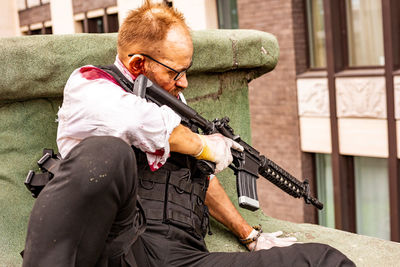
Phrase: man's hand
(269, 240)
(217, 148)
(214, 147)
(222, 209)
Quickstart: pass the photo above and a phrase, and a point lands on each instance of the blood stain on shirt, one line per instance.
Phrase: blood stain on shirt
(93, 73)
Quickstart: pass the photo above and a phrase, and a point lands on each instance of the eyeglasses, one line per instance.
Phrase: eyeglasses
(178, 75)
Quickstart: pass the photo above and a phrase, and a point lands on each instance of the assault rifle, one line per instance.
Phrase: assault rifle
(247, 165)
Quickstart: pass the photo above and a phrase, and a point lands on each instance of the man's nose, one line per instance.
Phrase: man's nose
(182, 82)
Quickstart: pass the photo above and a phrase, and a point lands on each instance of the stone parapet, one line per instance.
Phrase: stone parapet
(35, 61)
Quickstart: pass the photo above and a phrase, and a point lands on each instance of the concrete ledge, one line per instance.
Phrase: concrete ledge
(39, 66)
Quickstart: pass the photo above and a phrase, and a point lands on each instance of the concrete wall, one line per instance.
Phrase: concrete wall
(9, 23)
(361, 112)
(199, 14)
(62, 16)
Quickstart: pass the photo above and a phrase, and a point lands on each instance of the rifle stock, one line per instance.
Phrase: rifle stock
(247, 165)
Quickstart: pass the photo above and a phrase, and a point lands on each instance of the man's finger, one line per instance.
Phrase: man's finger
(236, 146)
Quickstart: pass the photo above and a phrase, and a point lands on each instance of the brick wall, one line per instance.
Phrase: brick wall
(273, 100)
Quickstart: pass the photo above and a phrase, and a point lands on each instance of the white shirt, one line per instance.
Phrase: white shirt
(94, 105)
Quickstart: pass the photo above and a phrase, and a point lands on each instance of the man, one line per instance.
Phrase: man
(89, 213)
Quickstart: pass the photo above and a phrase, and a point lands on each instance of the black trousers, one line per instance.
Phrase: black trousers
(166, 245)
(88, 215)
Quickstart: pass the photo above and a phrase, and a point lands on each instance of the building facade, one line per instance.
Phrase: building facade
(77, 16)
(330, 111)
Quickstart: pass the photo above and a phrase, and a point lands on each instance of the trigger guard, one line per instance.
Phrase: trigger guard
(206, 167)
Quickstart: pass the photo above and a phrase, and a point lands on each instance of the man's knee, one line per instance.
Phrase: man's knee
(100, 147)
(100, 161)
(109, 151)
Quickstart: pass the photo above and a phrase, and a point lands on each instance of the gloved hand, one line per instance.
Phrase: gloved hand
(217, 148)
(258, 240)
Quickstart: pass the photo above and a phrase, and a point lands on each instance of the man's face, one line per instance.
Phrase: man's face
(176, 52)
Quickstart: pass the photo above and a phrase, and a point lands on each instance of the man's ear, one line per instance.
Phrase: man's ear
(136, 65)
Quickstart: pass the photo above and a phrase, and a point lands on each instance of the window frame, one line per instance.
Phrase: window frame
(345, 43)
(308, 39)
(232, 19)
(108, 20)
(341, 40)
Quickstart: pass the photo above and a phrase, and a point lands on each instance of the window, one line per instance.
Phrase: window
(371, 190)
(326, 217)
(97, 24)
(227, 14)
(372, 197)
(35, 32)
(316, 33)
(364, 33)
(113, 24)
(46, 30)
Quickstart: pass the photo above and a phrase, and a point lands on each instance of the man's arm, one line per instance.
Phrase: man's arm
(184, 141)
(222, 209)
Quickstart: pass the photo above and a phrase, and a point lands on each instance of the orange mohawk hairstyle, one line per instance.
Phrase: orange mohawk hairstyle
(147, 25)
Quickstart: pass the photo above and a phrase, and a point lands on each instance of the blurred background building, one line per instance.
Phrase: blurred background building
(330, 111)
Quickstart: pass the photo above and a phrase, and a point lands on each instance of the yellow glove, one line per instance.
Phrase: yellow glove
(217, 148)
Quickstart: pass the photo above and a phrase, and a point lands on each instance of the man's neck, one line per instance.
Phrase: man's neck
(123, 69)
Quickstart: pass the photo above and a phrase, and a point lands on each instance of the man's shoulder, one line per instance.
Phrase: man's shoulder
(93, 73)
(90, 79)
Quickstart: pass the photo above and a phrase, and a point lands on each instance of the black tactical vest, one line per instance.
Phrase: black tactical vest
(175, 193)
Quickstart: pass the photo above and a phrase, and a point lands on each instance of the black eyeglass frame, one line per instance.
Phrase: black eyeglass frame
(179, 74)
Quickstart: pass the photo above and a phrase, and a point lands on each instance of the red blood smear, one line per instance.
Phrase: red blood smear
(159, 152)
(154, 168)
(93, 73)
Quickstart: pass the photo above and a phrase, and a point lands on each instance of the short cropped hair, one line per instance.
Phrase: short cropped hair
(148, 25)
